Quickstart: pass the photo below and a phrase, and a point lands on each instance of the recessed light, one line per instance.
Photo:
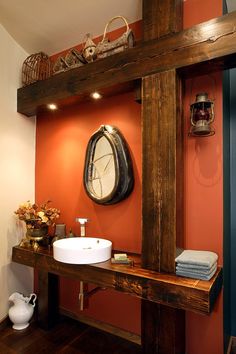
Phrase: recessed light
(96, 95)
(52, 106)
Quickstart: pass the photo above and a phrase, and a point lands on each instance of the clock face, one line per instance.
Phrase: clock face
(108, 173)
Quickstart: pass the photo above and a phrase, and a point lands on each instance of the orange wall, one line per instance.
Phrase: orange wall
(62, 137)
(203, 208)
(204, 189)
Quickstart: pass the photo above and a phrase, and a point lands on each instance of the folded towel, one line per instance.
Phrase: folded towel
(197, 258)
(197, 275)
(200, 272)
(192, 268)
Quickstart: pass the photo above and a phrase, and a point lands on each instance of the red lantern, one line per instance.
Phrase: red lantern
(202, 116)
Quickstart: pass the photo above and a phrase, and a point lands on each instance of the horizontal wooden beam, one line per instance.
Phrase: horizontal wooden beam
(212, 43)
(166, 289)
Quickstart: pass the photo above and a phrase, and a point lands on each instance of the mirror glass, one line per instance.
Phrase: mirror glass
(108, 171)
(103, 176)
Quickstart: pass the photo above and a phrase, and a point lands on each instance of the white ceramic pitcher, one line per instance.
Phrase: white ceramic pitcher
(22, 310)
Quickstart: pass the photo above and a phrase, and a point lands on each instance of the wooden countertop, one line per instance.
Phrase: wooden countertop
(166, 289)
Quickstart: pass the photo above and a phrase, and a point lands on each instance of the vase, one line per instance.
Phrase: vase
(36, 234)
(22, 310)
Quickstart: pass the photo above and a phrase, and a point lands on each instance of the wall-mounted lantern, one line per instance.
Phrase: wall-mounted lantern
(202, 116)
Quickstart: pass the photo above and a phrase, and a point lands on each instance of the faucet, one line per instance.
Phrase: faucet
(82, 222)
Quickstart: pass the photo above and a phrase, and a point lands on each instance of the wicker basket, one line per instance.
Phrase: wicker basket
(107, 47)
(36, 67)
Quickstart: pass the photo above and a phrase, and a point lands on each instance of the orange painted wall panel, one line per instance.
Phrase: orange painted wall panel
(61, 140)
(204, 188)
(204, 208)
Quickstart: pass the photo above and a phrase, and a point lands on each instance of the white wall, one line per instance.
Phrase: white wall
(17, 169)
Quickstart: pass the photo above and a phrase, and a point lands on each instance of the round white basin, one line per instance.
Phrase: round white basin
(82, 250)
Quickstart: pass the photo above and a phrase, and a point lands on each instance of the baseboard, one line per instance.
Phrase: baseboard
(4, 323)
(103, 326)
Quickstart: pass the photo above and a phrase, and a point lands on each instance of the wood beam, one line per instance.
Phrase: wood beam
(163, 169)
(48, 299)
(211, 43)
(163, 328)
(166, 289)
(159, 338)
(156, 18)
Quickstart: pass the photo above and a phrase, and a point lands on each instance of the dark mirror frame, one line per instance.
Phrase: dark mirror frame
(124, 180)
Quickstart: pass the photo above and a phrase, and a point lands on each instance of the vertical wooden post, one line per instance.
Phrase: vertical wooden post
(162, 209)
(162, 170)
(48, 299)
(161, 17)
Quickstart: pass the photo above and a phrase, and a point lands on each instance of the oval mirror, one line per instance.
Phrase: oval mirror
(108, 172)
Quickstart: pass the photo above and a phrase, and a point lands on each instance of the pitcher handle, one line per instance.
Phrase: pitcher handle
(33, 298)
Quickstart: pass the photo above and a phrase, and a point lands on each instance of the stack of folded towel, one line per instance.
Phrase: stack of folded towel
(196, 264)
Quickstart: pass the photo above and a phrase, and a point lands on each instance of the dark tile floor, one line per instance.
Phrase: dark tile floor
(67, 337)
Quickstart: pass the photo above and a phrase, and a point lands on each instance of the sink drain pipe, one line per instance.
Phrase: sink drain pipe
(86, 294)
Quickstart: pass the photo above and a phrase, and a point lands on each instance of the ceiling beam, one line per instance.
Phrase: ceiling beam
(211, 42)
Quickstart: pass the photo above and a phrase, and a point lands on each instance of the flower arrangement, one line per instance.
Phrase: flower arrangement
(37, 216)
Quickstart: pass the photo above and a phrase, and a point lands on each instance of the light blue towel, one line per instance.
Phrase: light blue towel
(197, 275)
(194, 266)
(197, 258)
(192, 274)
(195, 269)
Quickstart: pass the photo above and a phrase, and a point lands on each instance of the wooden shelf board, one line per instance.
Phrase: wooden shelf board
(167, 289)
(209, 45)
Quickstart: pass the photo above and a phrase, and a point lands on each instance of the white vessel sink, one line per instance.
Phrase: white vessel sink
(82, 250)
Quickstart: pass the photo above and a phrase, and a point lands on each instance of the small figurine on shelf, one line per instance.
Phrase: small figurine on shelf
(89, 50)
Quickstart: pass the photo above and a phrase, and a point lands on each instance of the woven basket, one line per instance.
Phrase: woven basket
(36, 67)
(107, 47)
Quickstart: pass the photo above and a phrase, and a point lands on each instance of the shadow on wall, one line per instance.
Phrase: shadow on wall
(15, 233)
(206, 174)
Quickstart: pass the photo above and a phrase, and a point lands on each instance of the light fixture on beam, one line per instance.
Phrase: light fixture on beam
(52, 106)
(96, 95)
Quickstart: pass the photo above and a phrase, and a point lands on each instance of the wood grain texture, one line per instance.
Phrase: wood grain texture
(168, 321)
(163, 328)
(159, 20)
(162, 171)
(211, 43)
(166, 289)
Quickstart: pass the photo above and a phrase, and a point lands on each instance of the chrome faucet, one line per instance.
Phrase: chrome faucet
(82, 222)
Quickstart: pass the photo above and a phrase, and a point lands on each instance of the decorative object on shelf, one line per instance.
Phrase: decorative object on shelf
(60, 230)
(202, 116)
(37, 219)
(89, 50)
(72, 60)
(36, 67)
(22, 310)
(60, 65)
(106, 47)
(108, 171)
